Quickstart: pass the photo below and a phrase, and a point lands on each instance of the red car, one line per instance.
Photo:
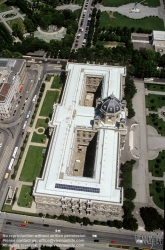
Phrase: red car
(22, 225)
(113, 242)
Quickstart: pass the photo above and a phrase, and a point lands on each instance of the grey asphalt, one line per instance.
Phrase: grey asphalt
(125, 10)
(140, 174)
(84, 233)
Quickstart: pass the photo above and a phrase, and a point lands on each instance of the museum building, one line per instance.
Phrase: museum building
(88, 129)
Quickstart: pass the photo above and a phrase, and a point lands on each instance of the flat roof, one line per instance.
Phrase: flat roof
(70, 115)
(159, 35)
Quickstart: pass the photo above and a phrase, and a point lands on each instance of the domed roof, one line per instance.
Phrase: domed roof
(110, 105)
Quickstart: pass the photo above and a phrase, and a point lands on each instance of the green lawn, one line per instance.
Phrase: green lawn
(156, 122)
(56, 84)
(157, 192)
(78, 13)
(4, 7)
(157, 166)
(33, 164)
(40, 138)
(47, 107)
(48, 78)
(110, 44)
(41, 123)
(115, 3)
(79, 2)
(25, 198)
(155, 87)
(153, 102)
(149, 23)
(18, 21)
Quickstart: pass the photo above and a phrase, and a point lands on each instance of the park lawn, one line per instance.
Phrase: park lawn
(33, 164)
(157, 192)
(47, 107)
(41, 123)
(156, 122)
(48, 78)
(149, 23)
(56, 84)
(110, 44)
(153, 102)
(4, 7)
(18, 21)
(157, 166)
(79, 2)
(155, 87)
(78, 13)
(39, 138)
(116, 3)
(25, 198)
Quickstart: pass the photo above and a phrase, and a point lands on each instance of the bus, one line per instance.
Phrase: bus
(148, 79)
(6, 176)
(15, 152)
(34, 98)
(11, 164)
(28, 115)
(24, 126)
(27, 57)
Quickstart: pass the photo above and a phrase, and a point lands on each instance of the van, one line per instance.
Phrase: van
(45, 225)
(96, 240)
(6, 176)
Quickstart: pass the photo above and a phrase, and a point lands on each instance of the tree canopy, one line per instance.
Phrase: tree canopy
(152, 219)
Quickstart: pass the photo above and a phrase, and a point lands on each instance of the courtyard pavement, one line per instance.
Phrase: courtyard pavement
(125, 10)
(150, 145)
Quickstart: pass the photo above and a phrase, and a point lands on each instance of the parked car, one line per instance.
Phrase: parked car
(22, 225)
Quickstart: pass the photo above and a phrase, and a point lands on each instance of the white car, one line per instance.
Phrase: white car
(0, 145)
(94, 235)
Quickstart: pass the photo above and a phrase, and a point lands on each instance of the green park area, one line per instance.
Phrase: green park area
(156, 122)
(4, 7)
(157, 166)
(41, 123)
(116, 3)
(110, 44)
(157, 192)
(79, 2)
(39, 138)
(48, 78)
(25, 198)
(56, 84)
(47, 107)
(33, 164)
(18, 21)
(115, 19)
(155, 87)
(153, 102)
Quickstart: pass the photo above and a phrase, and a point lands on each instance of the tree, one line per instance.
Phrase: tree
(29, 25)
(129, 193)
(118, 224)
(152, 219)
(128, 207)
(86, 221)
(130, 224)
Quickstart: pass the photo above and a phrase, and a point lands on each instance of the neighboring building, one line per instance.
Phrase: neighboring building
(141, 41)
(158, 41)
(88, 129)
(12, 74)
(154, 41)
